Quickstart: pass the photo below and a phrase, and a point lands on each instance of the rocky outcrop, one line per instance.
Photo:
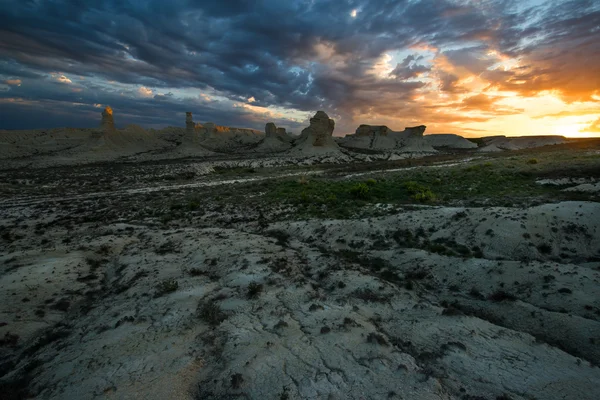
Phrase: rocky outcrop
(276, 140)
(449, 141)
(411, 140)
(372, 130)
(228, 139)
(270, 130)
(320, 130)
(189, 123)
(498, 143)
(382, 138)
(108, 123)
(318, 137)
(190, 129)
(416, 130)
(281, 132)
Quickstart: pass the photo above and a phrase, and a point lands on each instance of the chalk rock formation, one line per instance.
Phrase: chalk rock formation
(228, 139)
(411, 140)
(270, 130)
(371, 130)
(497, 143)
(373, 137)
(276, 139)
(189, 123)
(320, 131)
(382, 138)
(449, 141)
(317, 138)
(108, 123)
(190, 136)
(281, 132)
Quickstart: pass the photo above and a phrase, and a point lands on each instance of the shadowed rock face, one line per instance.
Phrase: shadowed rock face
(368, 130)
(108, 122)
(189, 122)
(320, 129)
(416, 130)
(270, 129)
(190, 126)
(281, 132)
(210, 127)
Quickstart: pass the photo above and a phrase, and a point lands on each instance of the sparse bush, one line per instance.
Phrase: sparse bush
(369, 296)
(236, 381)
(195, 272)
(211, 313)
(165, 248)
(376, 338)
(545, 248)
(9, 340)
(303, 180)
(501, 295)
(254, 290)
(532, 161)
(418, 192)
(360, 191)
(93, 263)
(281, 236)
(281, 324)
(371, 182)
(166, 286)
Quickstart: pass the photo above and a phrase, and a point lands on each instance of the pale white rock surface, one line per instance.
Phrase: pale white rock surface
(348, 309)
(499, 143)
(276, 140)
(382, 138)
(317, 139)
(449, 140)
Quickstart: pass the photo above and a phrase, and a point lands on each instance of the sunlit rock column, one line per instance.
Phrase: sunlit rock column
(108, 124)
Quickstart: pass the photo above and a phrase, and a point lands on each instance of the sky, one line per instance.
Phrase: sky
(470, 67)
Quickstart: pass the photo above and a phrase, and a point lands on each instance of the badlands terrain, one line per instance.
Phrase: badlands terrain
(210, 262)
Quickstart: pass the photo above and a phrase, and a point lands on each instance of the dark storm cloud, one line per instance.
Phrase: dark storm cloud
(303, 55)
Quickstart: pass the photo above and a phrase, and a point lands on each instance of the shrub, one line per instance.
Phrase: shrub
(195, 272)
(418, 192)
(281, 236)
(166, 286)
(360, 191)
(9, 340)
(254, 290)
(501, 295)
(211, 313)
(532, 161)
(545, 248)
(376, 338)
(369, 296)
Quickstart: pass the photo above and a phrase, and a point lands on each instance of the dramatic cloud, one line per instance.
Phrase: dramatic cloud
(594, 126)
(457, 66)
(13, 82)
